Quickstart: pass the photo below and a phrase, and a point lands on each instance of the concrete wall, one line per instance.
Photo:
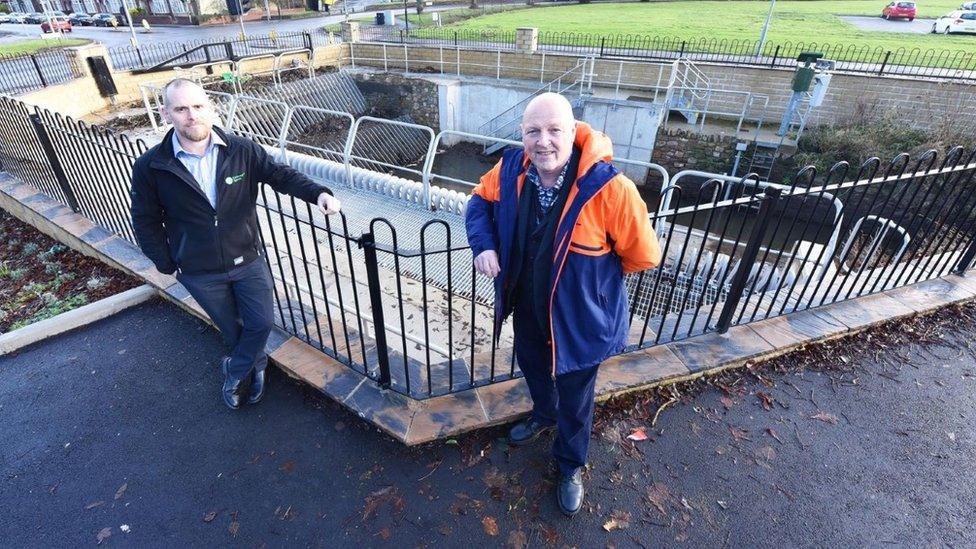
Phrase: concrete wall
(465, 105)
(74, 98)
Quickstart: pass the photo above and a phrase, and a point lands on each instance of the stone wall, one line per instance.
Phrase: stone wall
(678, 150)
(391, 94)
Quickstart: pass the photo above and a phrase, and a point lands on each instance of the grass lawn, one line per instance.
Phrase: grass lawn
(34, 46)
(793, 21)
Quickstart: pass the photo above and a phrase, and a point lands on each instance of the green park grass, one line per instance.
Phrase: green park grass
(33, 46)
(809, 21)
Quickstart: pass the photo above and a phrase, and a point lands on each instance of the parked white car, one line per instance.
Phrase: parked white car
(955, 22)
(16, 17)
(4, 18)
(968, 6)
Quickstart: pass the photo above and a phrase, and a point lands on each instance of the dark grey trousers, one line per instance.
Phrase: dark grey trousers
(240, 303)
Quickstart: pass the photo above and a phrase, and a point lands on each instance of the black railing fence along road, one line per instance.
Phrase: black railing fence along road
(875, 60)
(403, 305)
(24, 73)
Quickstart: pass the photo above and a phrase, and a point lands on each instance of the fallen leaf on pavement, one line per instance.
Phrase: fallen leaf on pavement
(287, 466)
(210, 516)
(723, 504)
(657, 495)
(518, 540)
(825, 417)
(233, 527)
(637, 434)
(739, 434)
(94, 504)
(727, 402)
(765, 400)
(549, 534)
(384, 534)
(490, 526)
(618, 521)
(772, 433)
(121, 491)
(103, 534)
(766, 453)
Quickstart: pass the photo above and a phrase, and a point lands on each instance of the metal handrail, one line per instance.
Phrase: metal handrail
(490, 124)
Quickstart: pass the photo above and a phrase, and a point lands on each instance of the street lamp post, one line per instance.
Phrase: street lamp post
(762, 34)
(406, 18)
(132, 30)
(240, 18)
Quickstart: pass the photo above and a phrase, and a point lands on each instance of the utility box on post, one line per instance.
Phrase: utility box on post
(804, 75)
(103, 76)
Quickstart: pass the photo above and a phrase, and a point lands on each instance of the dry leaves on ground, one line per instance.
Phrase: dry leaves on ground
(490, 526)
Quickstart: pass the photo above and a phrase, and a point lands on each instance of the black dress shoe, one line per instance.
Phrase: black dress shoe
(569, 493)
(232, 388)
(527, 431)
(256, 392)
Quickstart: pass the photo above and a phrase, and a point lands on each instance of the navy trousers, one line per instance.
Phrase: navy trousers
(240, 303)
(566, 402)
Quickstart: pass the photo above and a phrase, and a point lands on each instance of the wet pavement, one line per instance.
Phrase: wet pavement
(116, 432)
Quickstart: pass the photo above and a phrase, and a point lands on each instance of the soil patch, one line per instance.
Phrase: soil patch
(41, 278)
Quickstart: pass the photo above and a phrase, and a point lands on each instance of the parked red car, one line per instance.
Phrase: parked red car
(58, 23)
(903, 10)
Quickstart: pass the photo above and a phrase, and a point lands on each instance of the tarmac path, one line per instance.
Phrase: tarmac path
(117, 432)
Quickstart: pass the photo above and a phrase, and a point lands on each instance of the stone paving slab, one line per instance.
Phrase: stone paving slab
(416, 421)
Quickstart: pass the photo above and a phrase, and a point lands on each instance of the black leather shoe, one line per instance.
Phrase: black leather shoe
(256, 392)
(527, 431)
(232, 388)
(569, 493)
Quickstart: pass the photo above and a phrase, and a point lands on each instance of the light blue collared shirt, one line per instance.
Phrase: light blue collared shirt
(203, 168)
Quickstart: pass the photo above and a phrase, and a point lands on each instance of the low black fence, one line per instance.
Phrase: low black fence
(400, 302)
(929, 63)
(212, 49)
(24, 73)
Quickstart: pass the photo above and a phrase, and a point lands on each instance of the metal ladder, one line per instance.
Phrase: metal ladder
(505, 125)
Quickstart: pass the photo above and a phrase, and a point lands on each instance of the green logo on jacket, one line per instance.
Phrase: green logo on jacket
(234, 178)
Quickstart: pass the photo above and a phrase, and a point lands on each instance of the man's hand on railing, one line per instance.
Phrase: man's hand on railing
(487, 263)
(329, 204)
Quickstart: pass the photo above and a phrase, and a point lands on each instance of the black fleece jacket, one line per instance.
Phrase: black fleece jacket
(176, 226)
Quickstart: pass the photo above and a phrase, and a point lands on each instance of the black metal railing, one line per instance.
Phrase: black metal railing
(876, 60)
(211, 49)
(24, 73)
(402, 304)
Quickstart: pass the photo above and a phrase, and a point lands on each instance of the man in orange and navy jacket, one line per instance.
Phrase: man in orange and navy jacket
(558, 226)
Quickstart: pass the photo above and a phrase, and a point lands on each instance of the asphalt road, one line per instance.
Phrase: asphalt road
(117, 431)
(877, 24)
(121, 36)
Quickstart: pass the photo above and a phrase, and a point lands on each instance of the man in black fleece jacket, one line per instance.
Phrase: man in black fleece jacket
(194, 213)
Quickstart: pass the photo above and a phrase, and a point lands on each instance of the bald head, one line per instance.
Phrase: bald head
(549, 105)
(187, 107)
(548, 131)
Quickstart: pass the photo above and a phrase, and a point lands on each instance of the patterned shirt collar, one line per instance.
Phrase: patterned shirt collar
(546, 196)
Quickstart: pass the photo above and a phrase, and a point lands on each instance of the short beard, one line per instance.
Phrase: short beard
(196, 133)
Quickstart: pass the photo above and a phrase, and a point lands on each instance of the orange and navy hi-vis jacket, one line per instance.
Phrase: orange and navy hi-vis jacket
(603, 233)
